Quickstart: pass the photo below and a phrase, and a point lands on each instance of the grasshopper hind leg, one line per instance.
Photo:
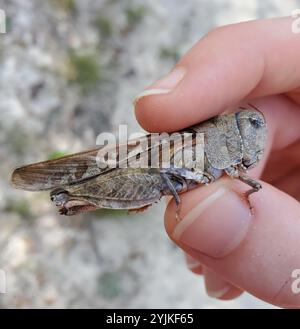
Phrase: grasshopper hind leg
(178, 180)
(255, 185)
(234, 172)
(171, 189)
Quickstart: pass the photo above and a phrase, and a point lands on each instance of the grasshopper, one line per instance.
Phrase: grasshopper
(233, 143)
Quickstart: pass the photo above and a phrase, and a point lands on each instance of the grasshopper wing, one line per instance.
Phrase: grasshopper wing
(80, 167)
(71, 169)
(50, 174)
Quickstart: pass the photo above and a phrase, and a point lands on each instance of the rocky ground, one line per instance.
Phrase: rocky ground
(69, 69)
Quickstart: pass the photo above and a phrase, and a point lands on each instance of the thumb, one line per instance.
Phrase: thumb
(257, 251)
(223, 68)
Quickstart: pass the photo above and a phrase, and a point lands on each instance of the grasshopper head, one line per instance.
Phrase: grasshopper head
(253, 130)
(69, 204)
(59, 197)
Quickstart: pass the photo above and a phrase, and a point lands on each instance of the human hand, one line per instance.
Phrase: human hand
(238, 250)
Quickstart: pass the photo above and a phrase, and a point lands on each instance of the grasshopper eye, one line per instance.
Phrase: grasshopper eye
(256, 122)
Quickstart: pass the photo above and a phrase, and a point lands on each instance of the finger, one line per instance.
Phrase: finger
(193, 264)
(217, 287)
(282, 170)
(255, 251)
(229, 64)
(282, 118)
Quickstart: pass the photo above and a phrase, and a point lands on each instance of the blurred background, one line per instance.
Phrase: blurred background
(69, 69)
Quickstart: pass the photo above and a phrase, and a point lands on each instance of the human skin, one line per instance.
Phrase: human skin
(237, 249)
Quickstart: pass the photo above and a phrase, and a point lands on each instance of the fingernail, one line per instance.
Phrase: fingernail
(164, 85)
(216, 225)
(168, 199)
(192, 263)
(215, 286)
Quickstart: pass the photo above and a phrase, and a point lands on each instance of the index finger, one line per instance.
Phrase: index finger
(229, 64)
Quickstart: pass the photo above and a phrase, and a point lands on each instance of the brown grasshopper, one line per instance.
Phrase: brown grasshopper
(233, 143)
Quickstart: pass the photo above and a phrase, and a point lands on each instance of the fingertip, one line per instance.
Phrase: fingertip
(164, 112)
(233, 293)
(150, 113)
(154, 105)
(215, 219)
(193, 264)
(217, 287)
